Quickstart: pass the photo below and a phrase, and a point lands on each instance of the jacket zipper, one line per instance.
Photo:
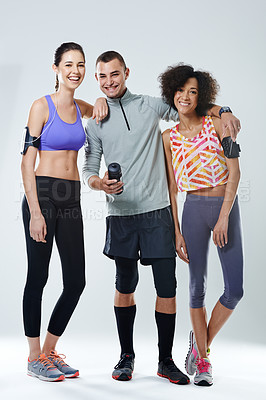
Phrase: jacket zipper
(123, 111)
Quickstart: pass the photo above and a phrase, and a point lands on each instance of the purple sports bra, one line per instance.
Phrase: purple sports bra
(59, 135)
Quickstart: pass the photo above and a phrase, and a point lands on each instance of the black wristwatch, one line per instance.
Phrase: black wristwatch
(224, 109)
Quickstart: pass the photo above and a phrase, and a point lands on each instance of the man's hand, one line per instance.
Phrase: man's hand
(110, 186)
(229, 121)
(100, 109)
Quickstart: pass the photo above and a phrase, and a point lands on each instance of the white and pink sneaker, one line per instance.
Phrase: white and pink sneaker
(192, 355)
(203, 375)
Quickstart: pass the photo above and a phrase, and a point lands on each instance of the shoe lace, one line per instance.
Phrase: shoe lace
(203, 365)
(59, 358)
(46, 362)
(124, 362)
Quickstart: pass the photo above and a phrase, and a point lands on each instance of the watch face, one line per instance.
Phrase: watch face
(224, 109)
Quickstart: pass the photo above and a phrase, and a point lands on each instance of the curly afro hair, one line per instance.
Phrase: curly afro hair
(176, 76)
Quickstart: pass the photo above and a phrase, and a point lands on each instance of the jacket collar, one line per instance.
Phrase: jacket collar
(126, 98)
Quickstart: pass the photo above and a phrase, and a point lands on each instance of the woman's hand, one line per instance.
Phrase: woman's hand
(220, 237)
(100, 109)
(181, 248)
(38, 228)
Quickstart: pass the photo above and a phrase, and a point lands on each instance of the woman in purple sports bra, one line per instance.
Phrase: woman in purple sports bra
(51, 207)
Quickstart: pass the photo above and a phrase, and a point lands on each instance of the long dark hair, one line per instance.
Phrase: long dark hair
(63, 48)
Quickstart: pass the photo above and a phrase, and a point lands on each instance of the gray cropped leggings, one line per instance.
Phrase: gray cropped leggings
(200, 215)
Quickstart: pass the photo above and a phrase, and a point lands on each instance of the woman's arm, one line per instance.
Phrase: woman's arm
(37, 118)
(180, 242)
(220, 236)
(99, 111)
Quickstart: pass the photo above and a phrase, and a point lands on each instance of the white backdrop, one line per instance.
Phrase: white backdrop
(226, 38)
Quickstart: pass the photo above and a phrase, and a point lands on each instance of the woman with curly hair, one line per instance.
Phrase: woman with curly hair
(196, 164)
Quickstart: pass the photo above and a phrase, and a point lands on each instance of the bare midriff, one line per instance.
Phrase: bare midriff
(217, 191)
(58, 164)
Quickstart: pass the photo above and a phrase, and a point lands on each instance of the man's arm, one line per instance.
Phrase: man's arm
(164, 111)
(93, 154)
(228, 121)
(92, 163)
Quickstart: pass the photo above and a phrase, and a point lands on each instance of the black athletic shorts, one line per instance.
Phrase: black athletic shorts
(141, 236)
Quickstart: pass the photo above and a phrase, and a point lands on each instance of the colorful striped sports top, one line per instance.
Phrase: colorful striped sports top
(198, 162)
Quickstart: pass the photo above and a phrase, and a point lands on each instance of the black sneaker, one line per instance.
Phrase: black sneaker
(168, 369)
(124, 369)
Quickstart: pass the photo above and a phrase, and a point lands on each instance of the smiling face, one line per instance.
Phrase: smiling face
(71, 69)
(186, 97)
(112, 77)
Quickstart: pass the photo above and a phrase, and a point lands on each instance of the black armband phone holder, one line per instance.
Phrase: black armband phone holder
(28, 141)
(231, 148)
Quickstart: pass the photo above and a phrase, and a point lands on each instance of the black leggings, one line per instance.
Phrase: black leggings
(59, 200)
(163, 269)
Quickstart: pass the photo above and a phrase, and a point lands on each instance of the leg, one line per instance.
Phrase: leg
(49, 343)
(197, 237)
(219, 316)
(38, 262)
(124, 305)
(125, 311)
(124, 299)
(70, 243)
(165, 309)
(166, 306)
(231, 258)
(34, 347)
(165, 316)
(199, 323)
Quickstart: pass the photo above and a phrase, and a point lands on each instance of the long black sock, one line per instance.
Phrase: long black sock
(166, 330)
(125, 317)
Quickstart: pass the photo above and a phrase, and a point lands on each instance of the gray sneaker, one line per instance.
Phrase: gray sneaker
(59, 363)
(192, 355)
(203, 375)
(44, 369)
(124, 369)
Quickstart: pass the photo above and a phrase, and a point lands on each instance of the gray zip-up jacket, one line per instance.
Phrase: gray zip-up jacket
(131, 136)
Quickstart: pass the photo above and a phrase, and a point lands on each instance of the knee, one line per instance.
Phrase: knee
(166, 289)
(231, 299)
(76, 287)
(34, 287)
(197, 296)
(164, 277)
(126, 283)
(80, 286)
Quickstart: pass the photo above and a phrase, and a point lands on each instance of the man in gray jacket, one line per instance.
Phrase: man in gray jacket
(139, 221)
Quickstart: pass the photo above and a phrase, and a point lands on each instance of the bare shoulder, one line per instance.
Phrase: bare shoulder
(39, 104)
(39, 109)
(166, 134)
(38, 115)
(217, 126)
(85, 107)
(166, 139)
(81, 103)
